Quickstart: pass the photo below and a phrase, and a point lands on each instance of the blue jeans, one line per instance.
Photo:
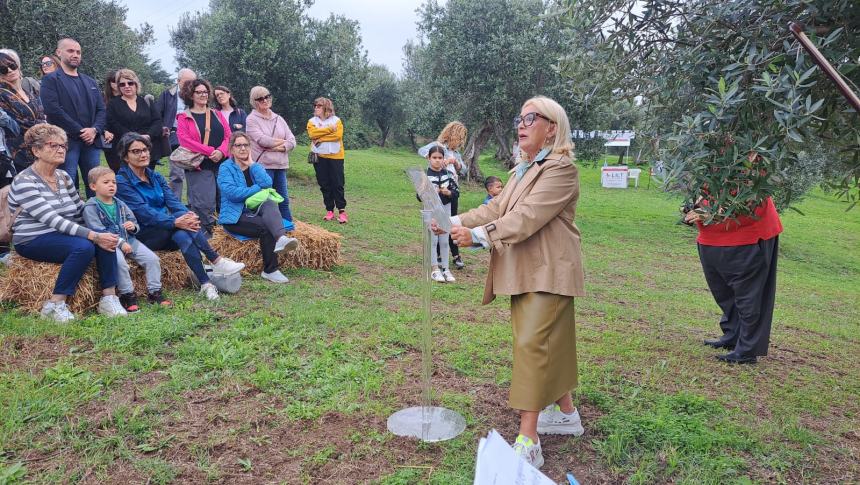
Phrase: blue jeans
(279, 183)
(75, 254)
(190, 244)
(83, 156)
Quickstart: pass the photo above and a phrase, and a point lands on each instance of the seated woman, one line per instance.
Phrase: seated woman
(165, 223)
(49, 226)
(238, 179)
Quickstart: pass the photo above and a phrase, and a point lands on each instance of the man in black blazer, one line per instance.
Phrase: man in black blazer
(73, 101)
(168, 106)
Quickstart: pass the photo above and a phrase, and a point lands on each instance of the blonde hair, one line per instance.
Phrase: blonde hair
(130, 75)
(453, 135)
(327, 106)
(38, 135)
(257, 92)
(15, 57)
(98, 172)
(560, 142)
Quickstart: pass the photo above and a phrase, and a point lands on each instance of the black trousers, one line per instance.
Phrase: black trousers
(455, 250)
(330, 178)
(267, 226)
(742, 280)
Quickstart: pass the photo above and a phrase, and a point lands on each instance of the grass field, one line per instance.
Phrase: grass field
(293, 384)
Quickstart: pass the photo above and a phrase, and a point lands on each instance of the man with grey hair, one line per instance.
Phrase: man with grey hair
(168, 106)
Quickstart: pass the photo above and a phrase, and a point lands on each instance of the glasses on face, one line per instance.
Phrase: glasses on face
(202, 93)
(56, 146)
(318, 106)
(46, 63)
(528, 119)
(138, 151)
(263, 98)
(7, 68)
(241, 146)
(127, 84)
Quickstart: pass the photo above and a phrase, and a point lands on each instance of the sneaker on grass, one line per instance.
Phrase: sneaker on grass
(275, 277)
(110, 306)
(552, 421)
(209, 291)
(449, 277)
(529, 450)
(437, 276)
(157, 298)
(129, 302)
(226, 266)
(57, 311)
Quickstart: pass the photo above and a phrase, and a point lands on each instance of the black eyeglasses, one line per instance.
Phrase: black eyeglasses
(202, 93)
(529, 119)
(127, 84)
(56, 146)
(138, 151)
(243, 146)
(263, 98)
(46, 63)
(7, 68)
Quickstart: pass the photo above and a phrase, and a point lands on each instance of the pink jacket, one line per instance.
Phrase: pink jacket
(189, 135)
(263, 132)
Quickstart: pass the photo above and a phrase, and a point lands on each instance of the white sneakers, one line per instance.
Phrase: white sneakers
(552, 421)
(449, 278)
(275, 277)
(57, 311)
(226, 266)
(288, 243)
(442, 276)
(209, 291)
(529, 450)
(436, 276)
(110, 306)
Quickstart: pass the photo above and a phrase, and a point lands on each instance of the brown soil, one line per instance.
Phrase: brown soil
(31, 354)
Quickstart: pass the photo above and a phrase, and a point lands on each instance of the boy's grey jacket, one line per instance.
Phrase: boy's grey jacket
(98, 220)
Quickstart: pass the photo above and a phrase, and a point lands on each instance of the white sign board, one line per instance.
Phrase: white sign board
(614, 177)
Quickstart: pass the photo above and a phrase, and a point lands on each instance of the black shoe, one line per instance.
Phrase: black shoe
(719, 343)
(129, 302)
(458, 263)
(157, 298)
(734, 358)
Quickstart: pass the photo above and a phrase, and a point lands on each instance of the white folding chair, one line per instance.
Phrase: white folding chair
(633, 173)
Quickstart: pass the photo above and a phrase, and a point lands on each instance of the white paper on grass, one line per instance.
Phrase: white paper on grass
(429, 197)
(498, 464)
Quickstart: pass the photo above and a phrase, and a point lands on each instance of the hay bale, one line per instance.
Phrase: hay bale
(29, 283)
(174, 272)
(318, 249)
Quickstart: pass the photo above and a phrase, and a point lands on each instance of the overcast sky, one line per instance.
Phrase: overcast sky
(386, 25)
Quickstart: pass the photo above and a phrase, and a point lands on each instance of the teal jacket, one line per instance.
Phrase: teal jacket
(234, 190)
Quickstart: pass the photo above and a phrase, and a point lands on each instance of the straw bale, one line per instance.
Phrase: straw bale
(29, 283)
(174, 272)
(318, 249)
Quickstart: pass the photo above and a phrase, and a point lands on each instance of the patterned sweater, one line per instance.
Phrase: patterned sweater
(43, 210)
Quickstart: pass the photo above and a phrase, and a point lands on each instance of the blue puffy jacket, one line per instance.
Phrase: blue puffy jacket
(234, 190)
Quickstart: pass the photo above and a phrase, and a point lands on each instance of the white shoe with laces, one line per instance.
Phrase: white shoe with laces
(552, 421)
(436, 275)
(209, 291)
(110, 306)
(289, 244)
(226, 266)
(529, 451)
(275, 277)
(57, 311)
(449, 277)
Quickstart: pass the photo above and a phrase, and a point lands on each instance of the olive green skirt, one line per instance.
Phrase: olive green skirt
(544, 349)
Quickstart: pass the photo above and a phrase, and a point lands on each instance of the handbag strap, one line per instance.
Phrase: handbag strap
(275, 127)
(208, 126)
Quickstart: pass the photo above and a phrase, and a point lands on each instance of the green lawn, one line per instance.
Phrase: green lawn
(293, 384)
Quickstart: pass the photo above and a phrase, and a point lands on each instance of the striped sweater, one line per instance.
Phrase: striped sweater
(43, 210)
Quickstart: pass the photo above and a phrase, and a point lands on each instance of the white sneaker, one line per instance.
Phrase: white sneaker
(226, 266)
(110, 306)
(529, 451)
(209, 291)
(275, 277)
(436, 275)
(288, 243)
(552, 421)
(449, 278)
(57, 311)
(6, 258)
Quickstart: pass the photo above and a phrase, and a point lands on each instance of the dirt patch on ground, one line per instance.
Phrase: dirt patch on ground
(32, 353)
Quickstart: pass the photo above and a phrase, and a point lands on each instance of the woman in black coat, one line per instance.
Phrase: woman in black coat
(130, 112)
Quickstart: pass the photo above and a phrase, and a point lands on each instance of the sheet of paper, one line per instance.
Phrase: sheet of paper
(497, 464)
(429, 197)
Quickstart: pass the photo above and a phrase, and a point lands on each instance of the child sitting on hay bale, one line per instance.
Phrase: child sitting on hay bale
(106, 214)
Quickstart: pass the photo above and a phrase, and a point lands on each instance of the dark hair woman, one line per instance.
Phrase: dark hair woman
(225, 103)
(48, 64)
(21, 102)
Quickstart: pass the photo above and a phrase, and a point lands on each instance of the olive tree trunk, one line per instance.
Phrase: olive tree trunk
(476, 144)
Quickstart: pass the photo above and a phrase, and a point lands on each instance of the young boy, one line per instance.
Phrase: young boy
(105, 213)
(493, 185)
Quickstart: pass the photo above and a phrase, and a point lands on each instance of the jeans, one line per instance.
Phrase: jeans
(202, 192)
(143, 256)
(83, 156)
(279, 183)
(75, 254)
(190, 244)
(266, 225)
